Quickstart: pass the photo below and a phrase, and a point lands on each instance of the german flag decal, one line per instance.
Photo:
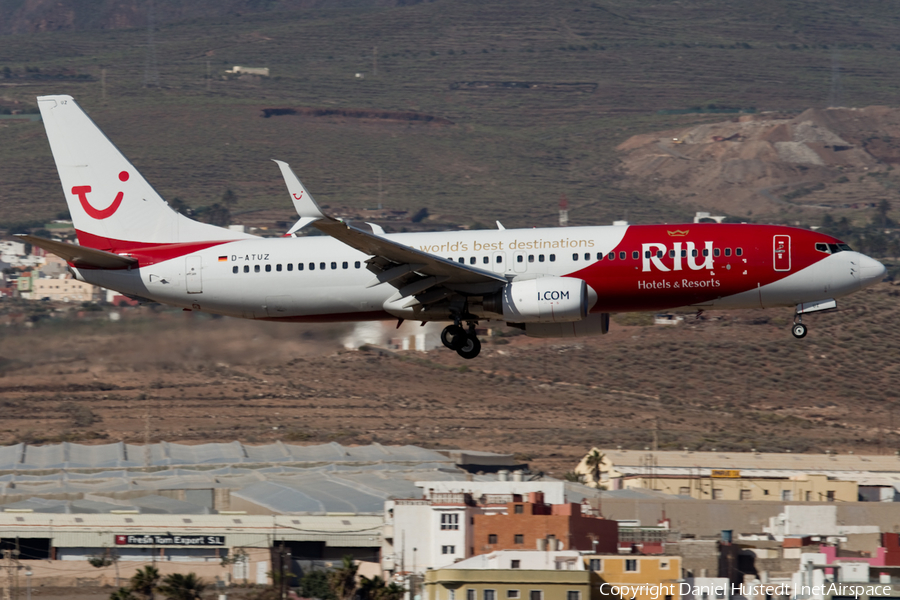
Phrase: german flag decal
(223, 259)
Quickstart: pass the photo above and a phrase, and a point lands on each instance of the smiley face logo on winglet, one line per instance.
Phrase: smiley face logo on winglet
(83, 190)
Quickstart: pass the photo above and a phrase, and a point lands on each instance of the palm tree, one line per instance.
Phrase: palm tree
(594, 461)
(392, 591)
(123, 593)
(182, 587)
(369, 589)
(144, 582)
(343, 580)
(573, 477)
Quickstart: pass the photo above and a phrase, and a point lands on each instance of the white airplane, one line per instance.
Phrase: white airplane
(551, 282)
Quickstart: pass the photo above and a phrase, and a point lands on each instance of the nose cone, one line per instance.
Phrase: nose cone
(870, 271)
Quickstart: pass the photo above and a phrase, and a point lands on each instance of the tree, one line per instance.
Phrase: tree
(314, 584)
(573, 477)
(123, 593)
(229, 198)
(594, 461)
(342, 580)
(144, 582)
(182, 587)
(377, 589)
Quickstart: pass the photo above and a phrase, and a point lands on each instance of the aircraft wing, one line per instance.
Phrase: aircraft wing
(413, 272)
(81, 256)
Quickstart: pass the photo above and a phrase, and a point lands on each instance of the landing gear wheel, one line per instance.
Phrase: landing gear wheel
(470, 348)
(454, 337)
(799, 330)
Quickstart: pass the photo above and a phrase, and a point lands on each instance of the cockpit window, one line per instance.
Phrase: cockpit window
(833, 248)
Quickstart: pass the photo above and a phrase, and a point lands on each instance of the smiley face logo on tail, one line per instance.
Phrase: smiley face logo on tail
(83, 190)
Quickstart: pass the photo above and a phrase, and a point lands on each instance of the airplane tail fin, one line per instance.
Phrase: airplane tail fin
(113, 207)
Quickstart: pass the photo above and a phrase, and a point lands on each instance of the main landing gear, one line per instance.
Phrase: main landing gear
(465, 343)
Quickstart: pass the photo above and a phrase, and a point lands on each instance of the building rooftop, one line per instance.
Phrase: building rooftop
(775, 463)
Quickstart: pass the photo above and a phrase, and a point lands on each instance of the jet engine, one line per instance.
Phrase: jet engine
(542, 300)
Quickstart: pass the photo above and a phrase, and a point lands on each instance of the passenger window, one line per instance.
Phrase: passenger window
(268, 268)
(462, 260)
(290, 266)
(486, 260)
(499, 258)
(345, 265)
(706, 252)
(716, 252)
(659, 254)
(552, 258)
(672, 253)
(599, 256)
(684, 253)
(635, 254)
(727, 251)
(540, 258)
(646, 254)
(575, 256)
(738, 251)
(694, 253)
(256, 268)
(519, 258)
(278, 267)
(472, 260)
(356, 264)
(312, 266)
(612, 256)
(246, 268)
(622, 255)
(587, 256)
(234, 269)
(299, 266)
(531, 258)
(333, 266)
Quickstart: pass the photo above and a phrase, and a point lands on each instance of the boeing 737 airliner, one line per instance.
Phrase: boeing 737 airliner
(559, 282)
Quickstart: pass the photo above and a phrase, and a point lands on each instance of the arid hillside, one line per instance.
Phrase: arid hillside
(729, 380)
(838, 160)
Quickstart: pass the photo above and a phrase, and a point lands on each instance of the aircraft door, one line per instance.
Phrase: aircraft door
(519, 263)
(498, 262)
(192, 274)
(782, 250)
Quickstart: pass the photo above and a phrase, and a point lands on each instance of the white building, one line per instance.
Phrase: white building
(529, 560)
(429, 533)
(812, 520)
(436, 531)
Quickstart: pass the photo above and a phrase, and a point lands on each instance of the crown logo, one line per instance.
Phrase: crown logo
(678, 233)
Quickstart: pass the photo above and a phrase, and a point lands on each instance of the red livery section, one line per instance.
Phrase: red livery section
(670, 266)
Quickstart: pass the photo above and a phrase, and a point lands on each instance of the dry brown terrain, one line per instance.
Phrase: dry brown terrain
(822, 160)
(733, 380)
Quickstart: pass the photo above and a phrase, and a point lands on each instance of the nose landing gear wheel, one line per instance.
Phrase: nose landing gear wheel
(470, 348)
(799, 330)
(454, 337)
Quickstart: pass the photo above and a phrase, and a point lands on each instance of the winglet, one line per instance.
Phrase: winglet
(303, 201)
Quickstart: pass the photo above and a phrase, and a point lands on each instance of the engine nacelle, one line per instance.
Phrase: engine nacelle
(542, 300)
(594, 324)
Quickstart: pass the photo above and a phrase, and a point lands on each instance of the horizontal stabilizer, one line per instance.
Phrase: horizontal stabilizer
(81, 256)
